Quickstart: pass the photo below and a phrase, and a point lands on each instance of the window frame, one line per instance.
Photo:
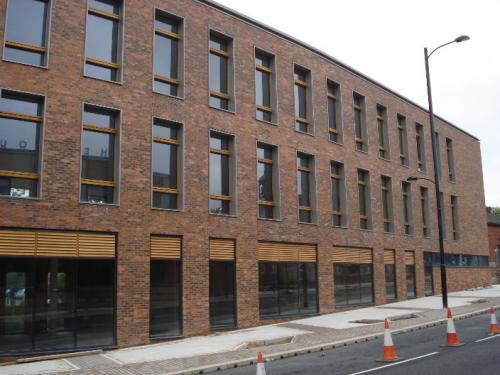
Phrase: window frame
(407, 204)
(43, 103)
(309, 100)
(344, 217)
(180, 54)
(230, 55)
(367, 196)
(337, 99)
(116, 156)
(46, 49)
(384, 143)
(450, 157)
(364, 141)
(273, 85)
(420, 144)
(390, 204)
(180, 162)
(120, 45)
(425, 212)
(455, 218)
(275, 181)
(404, 155)
(311, 170)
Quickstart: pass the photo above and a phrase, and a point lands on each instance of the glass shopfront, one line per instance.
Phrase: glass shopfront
(353, 284)
(222, 294)
(50, 304)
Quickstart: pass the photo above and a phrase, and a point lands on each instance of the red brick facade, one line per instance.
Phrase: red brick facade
(134, 220)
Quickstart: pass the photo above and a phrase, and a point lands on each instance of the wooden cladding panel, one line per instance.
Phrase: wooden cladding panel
(56, 244)
(165, 247)
(389, 257)
(352, 255)
(409, 258)
(286, 252)
(221, 249)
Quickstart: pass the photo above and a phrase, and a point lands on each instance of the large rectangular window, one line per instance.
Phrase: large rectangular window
(353, 284)
(387, 207)
(167, 159)
(168, 54)
(221, 71)
(454, 218)
(334, 113)
(403, 141)
(99, 155)
(407, 208)
(166, 298)
(383, 134)
(390, 275)
(411, 291)
(222, 174)
(360, 130)
(428, 274)
(364, 199)
(339, 204)
(103, 40)
(305, 188)
(21, 118)
(451, 159)
(49, 304)
(424, 206)
(303, 100)
(438, 153)
(421, 160)
(443, 214)
(26, 31)
(287, 289)
(267, 181)
(265, 87)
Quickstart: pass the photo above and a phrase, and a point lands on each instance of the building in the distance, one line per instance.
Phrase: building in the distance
(169, 168)
(494, 240)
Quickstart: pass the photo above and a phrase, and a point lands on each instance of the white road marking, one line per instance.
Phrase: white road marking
(394, 364)
(487, 338)
(75, 367)
(111, 359)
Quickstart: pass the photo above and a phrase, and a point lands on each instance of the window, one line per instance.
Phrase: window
(267, 182)
(168, 54)
(419, 134)
(166, 298)
(364, 199)
(334, 113)
(26, 32)
(303, 100)
(287, 289)
(390, 275)
(361, 133)
(21, 118)
(460, 260)
(407, 208)
(103, 40)
(305, 188)
(167, 158)
(428, 274)
(338, 194)
(403, 140)
(442, 214)
(411, 283)
(99, 155)
(265, 83)
(387, 209)
(383, 136)
(424, 204)
(221, 71)
(451, 159)
(353, 284)
(454, 218)
(438, 154)
(222, 174)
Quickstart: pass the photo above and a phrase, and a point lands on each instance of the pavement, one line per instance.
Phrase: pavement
(239, 348)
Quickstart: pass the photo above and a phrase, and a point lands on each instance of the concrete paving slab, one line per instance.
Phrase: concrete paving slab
(433, 303)
(491, 292)
(35, 368)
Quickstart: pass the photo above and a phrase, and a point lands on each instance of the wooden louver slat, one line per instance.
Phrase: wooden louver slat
(389, 257)
(352, 255)
(221, 249)
(286, 252)
(57, 244)
(409, 258)
(165, 247)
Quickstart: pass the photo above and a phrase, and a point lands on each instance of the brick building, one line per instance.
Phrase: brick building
(172, 168)
(494, 240)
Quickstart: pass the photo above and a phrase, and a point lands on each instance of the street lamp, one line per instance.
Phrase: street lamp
(444, 286)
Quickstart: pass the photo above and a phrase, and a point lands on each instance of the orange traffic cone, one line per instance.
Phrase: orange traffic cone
(389, 348)
(261, 370)
(494, 330)
(451, 334)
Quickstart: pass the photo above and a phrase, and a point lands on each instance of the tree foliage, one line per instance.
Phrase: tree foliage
(495, 211)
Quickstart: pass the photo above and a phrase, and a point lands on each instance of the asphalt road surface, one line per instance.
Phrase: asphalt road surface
(421, 352)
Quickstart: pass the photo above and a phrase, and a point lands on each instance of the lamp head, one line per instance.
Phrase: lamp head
(461, 38)
(412, 178)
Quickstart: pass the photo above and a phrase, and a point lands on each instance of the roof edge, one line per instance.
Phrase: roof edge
(326, 56)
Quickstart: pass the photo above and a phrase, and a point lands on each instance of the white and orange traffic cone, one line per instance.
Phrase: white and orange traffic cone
(451, 334)
(494, 330)
(261, 370)
(389, 354)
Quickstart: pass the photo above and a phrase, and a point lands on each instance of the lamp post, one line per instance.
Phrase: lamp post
(444, 286)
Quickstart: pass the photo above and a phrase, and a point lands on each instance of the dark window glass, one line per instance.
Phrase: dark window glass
(110, 6)
(166, 54)
(287, 289)
(166, 298)
(438, 153)
(383, 139)
(302, 120)
(333, 103)
(403, 140)
(304, 163)
(420, 147)
(18, 187)
(98, 156)
(265, 185)
(407, 208)
(263, 89)
(220, 186)
(96, 194)
(429, 281)
(443, 215)
(219, 174)
(387, 204)
(390, 282)
(27, 24)
(219, 71)
(353, 284)
(424, 205)
(359, 123)
(364, 199)
(410, 281)
(338, 194)
(265, 181)
(98, 118)
(164, 165)
(222, 295)
(451, 159)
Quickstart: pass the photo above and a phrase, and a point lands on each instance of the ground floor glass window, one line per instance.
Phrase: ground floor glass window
(410, 281)
(222, 294)
(390, 282)
(353, 284)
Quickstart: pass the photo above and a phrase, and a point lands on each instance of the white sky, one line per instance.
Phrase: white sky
(384, 39)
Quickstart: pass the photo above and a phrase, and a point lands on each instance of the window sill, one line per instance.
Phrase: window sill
(267, 219)
(387, 160)
(390, 233)
(119, 83)
(168, 96)
(267, 122)
(229, 111)
(100, 204)
(361, 151)
(167, 209)
(305, 223)
(26, 64)
(336, 143)
(224, 215)
(21, 198)
(404, 166)
(340, 226)
(370, 230)
(305, 133)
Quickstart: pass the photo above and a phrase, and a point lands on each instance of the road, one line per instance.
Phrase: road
(421, 349)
